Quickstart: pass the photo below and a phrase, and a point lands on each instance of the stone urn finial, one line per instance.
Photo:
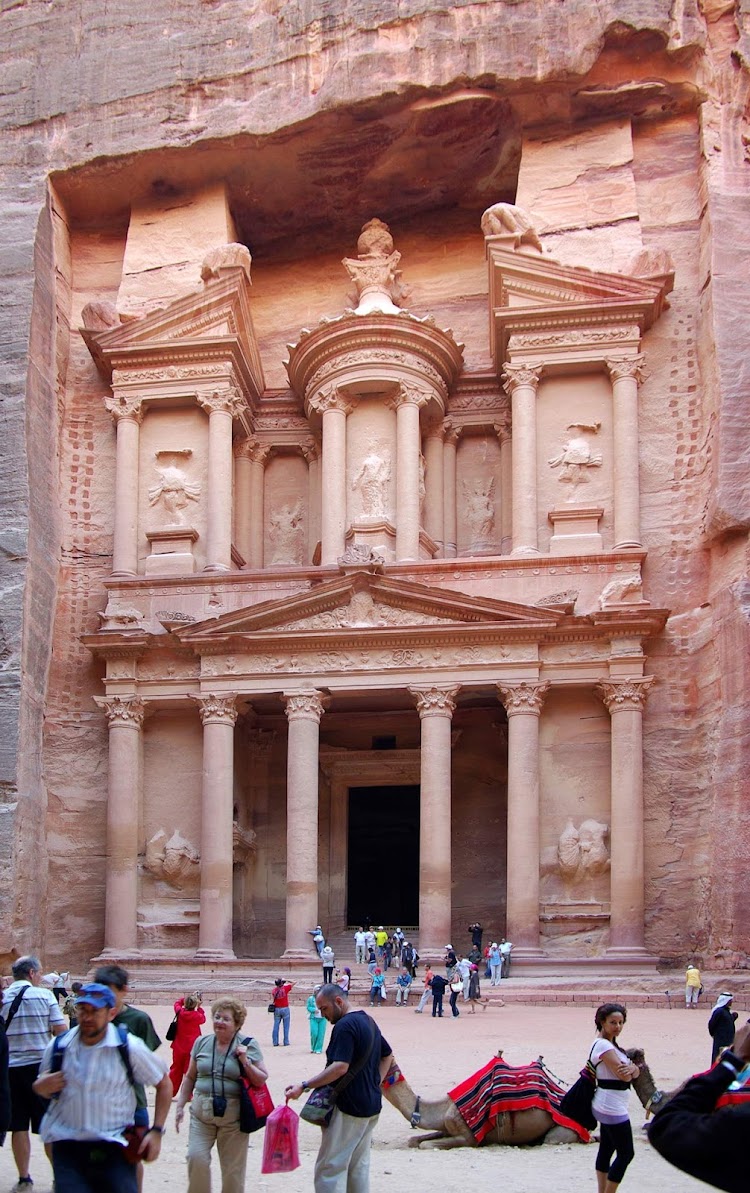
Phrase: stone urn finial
(375, 272)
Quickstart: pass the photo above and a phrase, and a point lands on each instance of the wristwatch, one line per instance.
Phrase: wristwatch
(303, 1085)
(158, 1130)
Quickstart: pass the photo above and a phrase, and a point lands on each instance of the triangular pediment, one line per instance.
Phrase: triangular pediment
(531, 292)
(218, 312)
(366, 602)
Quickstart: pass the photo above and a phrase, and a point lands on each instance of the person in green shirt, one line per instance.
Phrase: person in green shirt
(317, 1023)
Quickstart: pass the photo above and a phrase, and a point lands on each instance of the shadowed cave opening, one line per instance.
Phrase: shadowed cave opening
(383, 853)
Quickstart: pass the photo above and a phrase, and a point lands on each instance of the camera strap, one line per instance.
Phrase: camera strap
(223, 1067)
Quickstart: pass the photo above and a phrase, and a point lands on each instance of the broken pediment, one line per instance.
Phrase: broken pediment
(366, 602)
(215, 317)
(538, 304)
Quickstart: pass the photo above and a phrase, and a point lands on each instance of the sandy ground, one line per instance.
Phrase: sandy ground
(435, 1056)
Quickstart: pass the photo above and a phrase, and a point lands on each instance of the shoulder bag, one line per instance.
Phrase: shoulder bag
(171, 1032)
(577, 1101)
(321, 1104)
(256, 1102)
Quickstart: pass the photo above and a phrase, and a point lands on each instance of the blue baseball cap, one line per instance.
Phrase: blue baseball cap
(96, 995)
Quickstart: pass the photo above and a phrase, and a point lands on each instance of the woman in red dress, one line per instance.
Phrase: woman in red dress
(190, 1016)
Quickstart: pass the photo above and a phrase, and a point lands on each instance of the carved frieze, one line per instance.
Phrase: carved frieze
(579, 337)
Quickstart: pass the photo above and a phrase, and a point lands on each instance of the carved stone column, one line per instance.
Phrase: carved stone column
(502, 431)
(408, 443)
(334, 409)
(523, 705)
(436, 706)
(312, 456)
(521, 383)
(450, 519)
(303, 710)
(221, 407)
(218, 714)
(125, 719)
(434, 485)
(625, 701)
(625, 375)
(128, 415)
(250, 467)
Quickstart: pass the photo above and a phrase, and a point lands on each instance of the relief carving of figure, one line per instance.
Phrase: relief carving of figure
(372, 482)
(580, 856)
(174, 860)
(173, 489)
(576, 457)
(287, 531)
(480, 507)
(505, 219)
(622, 590)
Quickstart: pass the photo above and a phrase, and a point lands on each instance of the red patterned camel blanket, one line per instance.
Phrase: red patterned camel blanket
(500, 1088)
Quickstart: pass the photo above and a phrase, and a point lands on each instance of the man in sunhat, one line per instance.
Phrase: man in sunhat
(89, 1076)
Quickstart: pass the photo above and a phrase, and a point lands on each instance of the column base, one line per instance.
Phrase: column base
(525, 553)
(634, 953)
(113, 953)
(205, 955)
(526, 952)
(629, 544)
(300, 955)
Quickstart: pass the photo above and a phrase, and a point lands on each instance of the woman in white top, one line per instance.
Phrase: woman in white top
(614, 1072)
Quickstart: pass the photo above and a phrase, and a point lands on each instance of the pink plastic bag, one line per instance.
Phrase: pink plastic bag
(280, 1148)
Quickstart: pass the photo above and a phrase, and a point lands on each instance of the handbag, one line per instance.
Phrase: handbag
(134, 1136)
(256, 1104)
(576, 1103)
(321, 1104)
(457, 985)
(271, 1008)
(171, 1032)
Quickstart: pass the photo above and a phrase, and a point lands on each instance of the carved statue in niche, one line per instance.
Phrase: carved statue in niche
(174, 860)
(286, 532)
(479, 507)
(505, 219)
(580, 858)
(372, 482)
(576, 458)
(173, 489)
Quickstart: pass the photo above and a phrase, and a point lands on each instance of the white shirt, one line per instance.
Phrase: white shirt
(505, 948)
(98, 1101)
(359, 938)
(31, 1026)
(608, 1101)
(464, 967)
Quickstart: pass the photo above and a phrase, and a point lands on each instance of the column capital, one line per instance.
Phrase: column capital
(436, 701)
(222, 401)
(310, 450)
(217, 709)
(523, 697)
(409, 395)
(502, 428)
(251, 449)
(125, 406)
(330, 397)
(628, 695)
(515, 376)
(451, 431)
(123, 710)
(307, 705)
(630, 366)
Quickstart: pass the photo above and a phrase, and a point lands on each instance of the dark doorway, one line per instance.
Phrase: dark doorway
(383, 853)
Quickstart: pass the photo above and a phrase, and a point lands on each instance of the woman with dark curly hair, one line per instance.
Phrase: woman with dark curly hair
(614, 1073)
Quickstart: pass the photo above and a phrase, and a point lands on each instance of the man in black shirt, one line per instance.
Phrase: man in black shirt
(695, 1136)
(438, 985)
(358, 1059)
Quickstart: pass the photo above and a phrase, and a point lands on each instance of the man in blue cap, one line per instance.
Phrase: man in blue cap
(89, 1075)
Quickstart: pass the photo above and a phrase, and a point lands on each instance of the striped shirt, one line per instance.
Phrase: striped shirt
(31, 1027)
(97, 1101)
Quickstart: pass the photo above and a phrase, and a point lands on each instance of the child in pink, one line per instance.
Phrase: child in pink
(190, 1016)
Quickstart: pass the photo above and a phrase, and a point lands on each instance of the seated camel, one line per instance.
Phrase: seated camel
(515, 1126)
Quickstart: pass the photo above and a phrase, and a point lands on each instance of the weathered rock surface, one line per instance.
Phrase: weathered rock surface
(632, 117)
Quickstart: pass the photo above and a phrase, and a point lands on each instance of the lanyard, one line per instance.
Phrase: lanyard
(223, 1067)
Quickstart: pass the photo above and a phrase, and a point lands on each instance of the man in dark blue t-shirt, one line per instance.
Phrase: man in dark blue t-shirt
(358, 1059)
